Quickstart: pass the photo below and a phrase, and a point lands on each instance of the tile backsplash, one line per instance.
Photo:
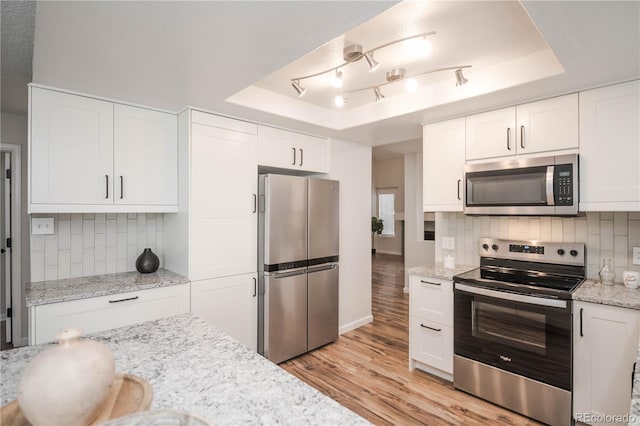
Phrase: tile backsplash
(609, 235)
(94, 244)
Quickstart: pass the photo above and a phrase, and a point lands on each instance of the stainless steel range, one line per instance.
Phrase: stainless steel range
(512, 326)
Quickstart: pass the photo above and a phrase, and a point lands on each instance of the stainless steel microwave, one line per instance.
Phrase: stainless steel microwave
(530, 186)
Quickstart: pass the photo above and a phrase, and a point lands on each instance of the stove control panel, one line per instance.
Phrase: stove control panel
(560, 253)
(526, 248)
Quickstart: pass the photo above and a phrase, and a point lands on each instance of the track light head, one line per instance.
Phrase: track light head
(460, 80)
(378, 93)
(336, 81)
(373, 65)
(299, 89)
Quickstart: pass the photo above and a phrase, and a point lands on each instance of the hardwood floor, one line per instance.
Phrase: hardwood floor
(367, 369)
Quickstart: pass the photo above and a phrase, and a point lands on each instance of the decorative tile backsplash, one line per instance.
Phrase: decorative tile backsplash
(608, 235)
(94, 244)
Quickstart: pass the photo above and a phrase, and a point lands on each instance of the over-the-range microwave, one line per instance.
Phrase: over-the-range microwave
(541, 186)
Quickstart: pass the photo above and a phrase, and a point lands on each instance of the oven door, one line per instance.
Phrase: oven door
(526, 335)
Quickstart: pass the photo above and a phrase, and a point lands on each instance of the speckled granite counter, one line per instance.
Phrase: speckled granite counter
(439, 271)
(615, 295)
(194, 367)
(44, 292)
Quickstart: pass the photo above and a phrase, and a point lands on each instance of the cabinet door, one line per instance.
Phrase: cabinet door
(432, 344)
(146, 156)
(605, 346)
(223, 218)
(71, 149)
(548, 125)
(443, 165)
(230, 304)
(491, 134)
(278, 148)
(610, 148)
(432, 299)
(313, 155)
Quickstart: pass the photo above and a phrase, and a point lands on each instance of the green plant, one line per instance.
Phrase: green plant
(377, 225)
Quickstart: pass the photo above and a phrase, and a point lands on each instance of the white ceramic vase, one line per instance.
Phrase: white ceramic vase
(66, 384)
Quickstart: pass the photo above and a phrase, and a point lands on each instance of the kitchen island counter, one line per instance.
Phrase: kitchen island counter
(194, 367)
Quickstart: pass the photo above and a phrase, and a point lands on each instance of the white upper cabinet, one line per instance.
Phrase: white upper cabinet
(443, 165)
(91, 155)
(146, 153)
(71, 149)
(610, 148)
(293, 151)
(546, 125)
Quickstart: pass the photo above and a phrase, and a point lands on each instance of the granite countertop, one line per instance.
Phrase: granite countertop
(44, 292)
(634, 412)
(614, 295)
(438, 271)
(194, 367)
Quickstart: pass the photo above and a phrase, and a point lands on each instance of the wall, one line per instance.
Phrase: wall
(351, 165)
(94, 244)
(607, 235)
(390, 174)
(417, 251)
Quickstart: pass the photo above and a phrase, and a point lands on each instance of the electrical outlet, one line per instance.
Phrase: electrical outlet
(448, 243)
(42, 226)
(636, 256)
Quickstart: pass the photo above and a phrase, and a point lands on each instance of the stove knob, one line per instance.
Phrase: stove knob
(495, 247)
(561, 252)
(573, 253)
(485, 246)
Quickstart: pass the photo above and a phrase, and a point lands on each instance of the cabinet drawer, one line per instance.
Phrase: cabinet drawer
(432, 299)
(432, 344)
(107, 312)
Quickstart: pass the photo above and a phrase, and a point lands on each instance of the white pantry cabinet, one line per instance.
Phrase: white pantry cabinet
(231, 304)
(92, 155)
(610, 148)
(605, 345)
(107, 312)
(443, 166)
(293, 151)
(431, 325)
(536, 127)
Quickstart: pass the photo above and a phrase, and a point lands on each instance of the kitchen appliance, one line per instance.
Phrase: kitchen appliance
(513, 323)
(529, 186)
(298, 265)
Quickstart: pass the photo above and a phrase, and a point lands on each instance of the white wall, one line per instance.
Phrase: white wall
(351, 165)
(14, 131)
(390, 174)
(417, 251)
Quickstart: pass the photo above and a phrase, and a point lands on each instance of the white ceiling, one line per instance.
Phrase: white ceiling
(171, 54)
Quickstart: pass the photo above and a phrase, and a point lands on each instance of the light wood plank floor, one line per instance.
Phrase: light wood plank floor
(367, 370)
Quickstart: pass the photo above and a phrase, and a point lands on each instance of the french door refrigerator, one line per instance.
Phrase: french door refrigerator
(298, 262)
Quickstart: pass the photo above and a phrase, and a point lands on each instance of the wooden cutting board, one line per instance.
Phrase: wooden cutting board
(129, 394)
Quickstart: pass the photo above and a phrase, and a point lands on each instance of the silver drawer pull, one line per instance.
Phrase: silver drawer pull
(430, 328)
(429, 282)
(505, 358)
(123, 300)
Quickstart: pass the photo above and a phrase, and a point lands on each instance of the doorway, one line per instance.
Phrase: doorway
(10, 248)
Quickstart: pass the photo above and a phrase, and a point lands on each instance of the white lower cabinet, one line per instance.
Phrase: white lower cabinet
(605, 345)
(231, 304)
(431, 325)
(106, 312)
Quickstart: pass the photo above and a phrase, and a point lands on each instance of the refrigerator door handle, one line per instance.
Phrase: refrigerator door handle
(322, 268)
(279, 275)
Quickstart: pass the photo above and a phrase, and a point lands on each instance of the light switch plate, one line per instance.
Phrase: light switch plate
(636, 256)
(42, 226)
(448, 243)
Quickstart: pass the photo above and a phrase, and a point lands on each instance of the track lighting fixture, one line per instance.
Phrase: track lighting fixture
(373, 65)
(339, 101)
(336, 81)
(460, 80)
(378, 93)
(296, 85)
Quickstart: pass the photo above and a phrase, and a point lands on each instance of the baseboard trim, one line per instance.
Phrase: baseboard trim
(405, 290)
(395, 253)
(355, 324)
(3, 317)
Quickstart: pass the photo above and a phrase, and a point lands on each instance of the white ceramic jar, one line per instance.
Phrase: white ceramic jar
(67, 384)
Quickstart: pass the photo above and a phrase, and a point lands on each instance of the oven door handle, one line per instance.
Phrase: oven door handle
(511, 296)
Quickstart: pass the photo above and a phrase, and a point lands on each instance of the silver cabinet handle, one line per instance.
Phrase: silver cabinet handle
(255, 287)
(123, 300)
(255, 203)
(294, 157)
(459, 181)
(522, 137)
(106, 187)
(508, 138)
(121, 187)
(429, 282)
(301, 157)
(430, 328)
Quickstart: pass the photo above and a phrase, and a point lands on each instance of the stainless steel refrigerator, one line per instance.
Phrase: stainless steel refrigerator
(298, 260)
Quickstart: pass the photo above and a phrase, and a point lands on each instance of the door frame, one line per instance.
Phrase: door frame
(16, 241)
